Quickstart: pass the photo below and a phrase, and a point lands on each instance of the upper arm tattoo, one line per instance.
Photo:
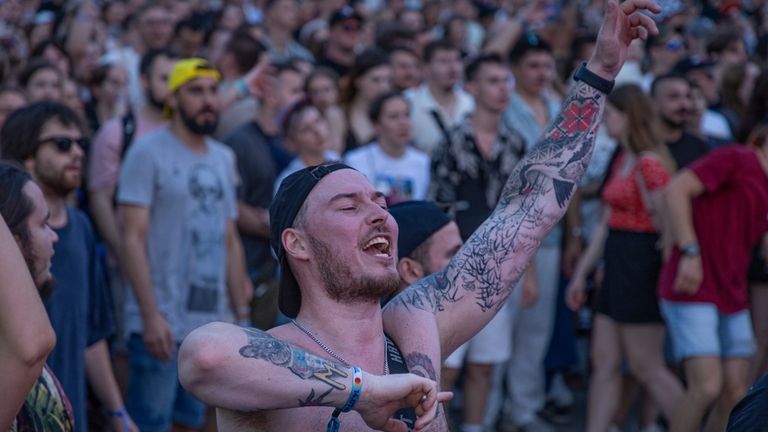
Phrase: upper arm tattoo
(420, 364)
(306, 366)
(533, 200)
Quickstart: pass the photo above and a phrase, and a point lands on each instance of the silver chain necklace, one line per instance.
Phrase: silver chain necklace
(331, 352)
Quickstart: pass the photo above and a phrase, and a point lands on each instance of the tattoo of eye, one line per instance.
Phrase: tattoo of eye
(263, 346)
(533, 200)
(311, 400)
(420, 364)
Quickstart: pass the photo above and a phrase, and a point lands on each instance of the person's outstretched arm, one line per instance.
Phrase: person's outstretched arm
(246, 369)
(26, 335)
(466, 295)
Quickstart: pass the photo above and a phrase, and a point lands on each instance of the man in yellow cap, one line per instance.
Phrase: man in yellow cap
(181, 253)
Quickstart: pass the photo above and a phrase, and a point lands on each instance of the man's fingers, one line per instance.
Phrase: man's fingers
(444, 396)
(643, 21)
(639, 33)
(631, 6)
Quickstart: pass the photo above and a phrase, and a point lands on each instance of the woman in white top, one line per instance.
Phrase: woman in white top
(394, 167)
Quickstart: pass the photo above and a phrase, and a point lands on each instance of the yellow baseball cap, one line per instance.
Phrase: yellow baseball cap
(186, 70)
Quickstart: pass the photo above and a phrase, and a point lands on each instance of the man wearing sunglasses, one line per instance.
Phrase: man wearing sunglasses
(344, 32)
(47, 139)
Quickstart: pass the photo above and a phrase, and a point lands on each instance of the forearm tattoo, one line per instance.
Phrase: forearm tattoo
(311, 400)
(304, 365)
(533, 200)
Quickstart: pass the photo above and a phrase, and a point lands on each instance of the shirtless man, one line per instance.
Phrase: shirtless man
(331, 230)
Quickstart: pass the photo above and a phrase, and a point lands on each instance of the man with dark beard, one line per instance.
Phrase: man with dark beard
(672, 94)
(26, 335)
(107, 150)
(47, 139)
(337, 246)
(181, 252)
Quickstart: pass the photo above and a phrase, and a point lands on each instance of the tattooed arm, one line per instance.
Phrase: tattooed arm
(250, 370)
(478, 280)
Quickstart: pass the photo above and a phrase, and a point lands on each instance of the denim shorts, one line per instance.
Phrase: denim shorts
(700, 330)
(156, 399)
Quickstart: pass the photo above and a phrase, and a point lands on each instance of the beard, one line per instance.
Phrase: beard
(153, 100)
(199, 128)
(675, 124)
(57, 182)
(36, 269)
(343, 286)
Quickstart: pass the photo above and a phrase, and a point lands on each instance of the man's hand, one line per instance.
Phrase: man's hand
(621, 25)
(689, 275)
(384, 395)
(575, 294)
(158, 337)
(260, 76)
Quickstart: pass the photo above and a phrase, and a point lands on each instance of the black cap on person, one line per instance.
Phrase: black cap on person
(291, 194)
(417, 221)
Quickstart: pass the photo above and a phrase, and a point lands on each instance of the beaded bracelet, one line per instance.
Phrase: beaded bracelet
(357, 388)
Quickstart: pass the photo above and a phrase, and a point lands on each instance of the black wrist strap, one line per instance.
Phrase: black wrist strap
(593, 80)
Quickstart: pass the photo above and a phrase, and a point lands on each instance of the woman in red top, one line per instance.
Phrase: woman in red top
(628, 321)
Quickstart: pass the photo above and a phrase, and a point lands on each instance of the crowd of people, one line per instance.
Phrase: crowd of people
(151, 153)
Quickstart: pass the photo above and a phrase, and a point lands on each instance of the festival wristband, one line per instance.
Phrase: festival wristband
(122, 414)
(357, 388)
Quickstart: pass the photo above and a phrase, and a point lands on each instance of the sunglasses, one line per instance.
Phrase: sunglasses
(675, 45)
(350, 27)
(64, 144)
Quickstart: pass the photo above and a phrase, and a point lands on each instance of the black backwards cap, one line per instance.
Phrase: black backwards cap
(417, 220)
(285, 206)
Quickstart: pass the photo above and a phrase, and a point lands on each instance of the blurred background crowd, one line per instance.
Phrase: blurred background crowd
(430, 99)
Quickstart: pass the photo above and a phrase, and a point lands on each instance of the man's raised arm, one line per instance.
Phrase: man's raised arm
(480, 278)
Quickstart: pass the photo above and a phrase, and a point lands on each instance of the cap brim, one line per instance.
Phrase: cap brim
(289, 296)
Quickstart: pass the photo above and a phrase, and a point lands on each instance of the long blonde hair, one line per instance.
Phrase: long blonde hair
(643, 132)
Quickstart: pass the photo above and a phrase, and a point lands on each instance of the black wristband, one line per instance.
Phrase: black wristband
(593, 80)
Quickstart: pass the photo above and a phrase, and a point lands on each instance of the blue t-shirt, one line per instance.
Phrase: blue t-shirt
(79, 308)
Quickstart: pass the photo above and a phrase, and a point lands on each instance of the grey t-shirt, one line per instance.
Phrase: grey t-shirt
(190, 197)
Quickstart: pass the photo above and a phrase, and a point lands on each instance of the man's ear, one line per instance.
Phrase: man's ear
(29, 164)
(410, 270)
(470, 88)
(295, 244)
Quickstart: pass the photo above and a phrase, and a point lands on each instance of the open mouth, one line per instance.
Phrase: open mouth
(379, 246)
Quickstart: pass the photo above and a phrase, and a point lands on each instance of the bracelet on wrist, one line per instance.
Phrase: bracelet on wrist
(593, 80)
(119, 413)
(354, 395)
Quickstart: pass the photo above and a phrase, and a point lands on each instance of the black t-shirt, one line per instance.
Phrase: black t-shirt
(687, 149)
(256, 165)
